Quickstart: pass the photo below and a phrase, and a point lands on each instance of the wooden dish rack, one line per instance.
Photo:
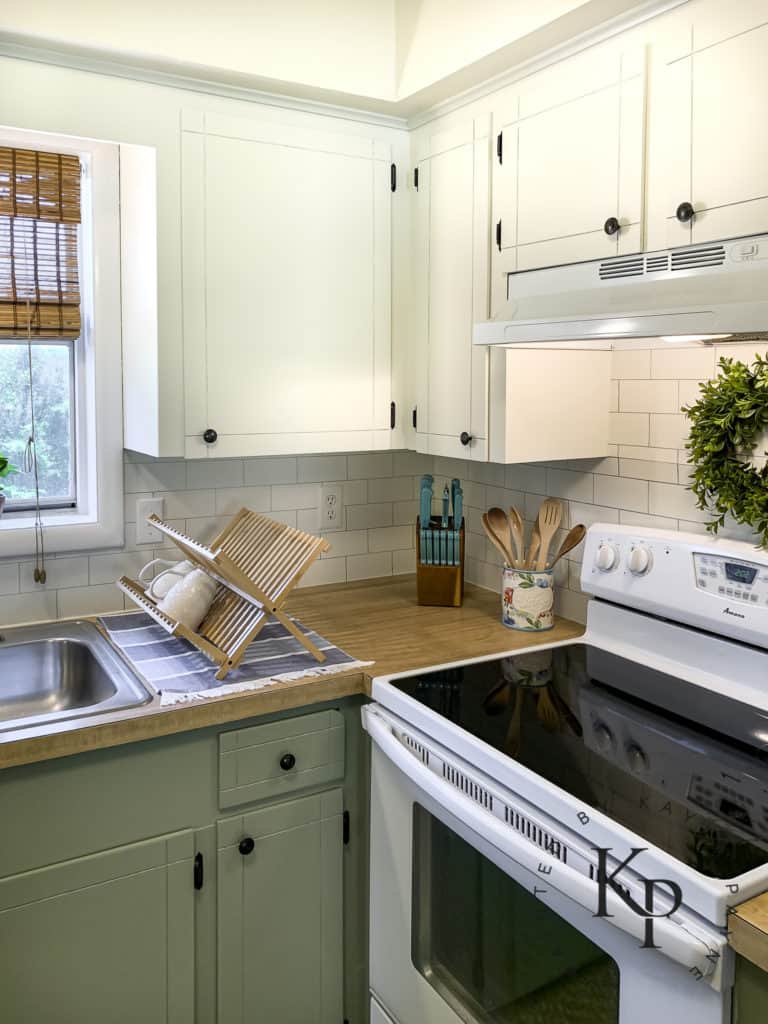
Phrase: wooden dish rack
(256, 562)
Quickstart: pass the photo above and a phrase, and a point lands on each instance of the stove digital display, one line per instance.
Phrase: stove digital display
(740, 573)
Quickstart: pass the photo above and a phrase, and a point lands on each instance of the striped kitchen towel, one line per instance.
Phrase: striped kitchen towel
(180, 673)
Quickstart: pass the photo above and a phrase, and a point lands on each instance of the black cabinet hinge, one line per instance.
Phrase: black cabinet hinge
(498, 235)
(416, 178)
(393, 177)
(500, 147)
(345, 828)
(414, 417)
(197, 871)
(392, 415)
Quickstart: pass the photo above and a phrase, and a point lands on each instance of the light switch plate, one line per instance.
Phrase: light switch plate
(146, 534)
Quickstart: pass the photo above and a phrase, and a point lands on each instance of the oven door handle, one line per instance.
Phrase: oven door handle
(702, 956)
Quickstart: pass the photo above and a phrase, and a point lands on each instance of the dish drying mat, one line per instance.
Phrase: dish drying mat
(180, 673)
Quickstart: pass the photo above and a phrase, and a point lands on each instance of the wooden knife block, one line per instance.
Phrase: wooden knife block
(440, 585)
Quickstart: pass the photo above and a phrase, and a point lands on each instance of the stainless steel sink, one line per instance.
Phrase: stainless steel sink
(60, 671)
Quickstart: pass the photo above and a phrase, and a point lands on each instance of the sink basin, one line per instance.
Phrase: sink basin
(62, 670)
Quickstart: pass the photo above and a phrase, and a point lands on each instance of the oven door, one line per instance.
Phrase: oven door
(463, 929)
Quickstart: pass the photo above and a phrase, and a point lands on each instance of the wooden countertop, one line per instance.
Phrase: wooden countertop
(374, 620)
(748, 930)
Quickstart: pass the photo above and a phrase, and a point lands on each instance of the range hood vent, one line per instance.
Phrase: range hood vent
(714, 288)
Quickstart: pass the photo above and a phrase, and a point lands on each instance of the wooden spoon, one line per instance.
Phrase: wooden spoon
(497, 539)
(550, 517)
(574, 536)
(533, 548)
(496, 526)
(517, 533)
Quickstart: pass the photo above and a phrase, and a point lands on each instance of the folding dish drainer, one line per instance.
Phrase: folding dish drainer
(257, 562)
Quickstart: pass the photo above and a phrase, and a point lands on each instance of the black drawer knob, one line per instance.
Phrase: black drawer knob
(210, 436)
(685, 213)
(246, 846)
(612, 226)
(287, 761)
(465, 438)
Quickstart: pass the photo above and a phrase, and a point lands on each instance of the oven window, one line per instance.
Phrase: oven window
(492, 949)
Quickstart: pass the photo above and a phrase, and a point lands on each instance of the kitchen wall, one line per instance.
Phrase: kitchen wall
(642, 482)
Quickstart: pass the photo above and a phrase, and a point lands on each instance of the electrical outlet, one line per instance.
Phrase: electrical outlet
(331, 507)
(146, 534)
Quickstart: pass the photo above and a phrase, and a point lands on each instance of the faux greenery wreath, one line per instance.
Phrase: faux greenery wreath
(726, 423)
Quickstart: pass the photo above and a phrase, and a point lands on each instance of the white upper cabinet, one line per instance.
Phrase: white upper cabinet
(286, 288)
(450, 248)
(712, 108)
(568, 164)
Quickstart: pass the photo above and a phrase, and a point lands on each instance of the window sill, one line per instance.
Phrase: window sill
(65, 530)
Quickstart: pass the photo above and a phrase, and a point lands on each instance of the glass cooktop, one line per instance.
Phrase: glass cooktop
(619, 736)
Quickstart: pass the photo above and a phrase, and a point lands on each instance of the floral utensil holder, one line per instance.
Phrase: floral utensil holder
(527, 599)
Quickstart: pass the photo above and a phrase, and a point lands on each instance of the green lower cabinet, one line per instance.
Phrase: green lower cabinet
(280, 913)
(750, 1002)
(103, 939)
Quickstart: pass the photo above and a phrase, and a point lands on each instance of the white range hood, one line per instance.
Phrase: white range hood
(711, 289)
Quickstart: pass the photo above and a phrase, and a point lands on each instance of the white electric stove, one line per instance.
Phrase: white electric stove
(559, 833)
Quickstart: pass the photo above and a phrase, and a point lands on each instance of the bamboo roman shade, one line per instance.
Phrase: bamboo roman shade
(39, 222)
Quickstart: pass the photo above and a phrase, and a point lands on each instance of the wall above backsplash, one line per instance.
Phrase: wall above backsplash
(643, 482)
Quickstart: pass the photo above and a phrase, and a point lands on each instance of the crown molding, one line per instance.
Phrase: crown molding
(205, 80)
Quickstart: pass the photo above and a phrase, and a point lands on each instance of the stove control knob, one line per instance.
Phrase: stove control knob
(607, 558)
(639, 561)
(603, 738)
(637, 759)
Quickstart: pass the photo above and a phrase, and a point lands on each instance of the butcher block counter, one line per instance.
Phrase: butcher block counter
(375, 621)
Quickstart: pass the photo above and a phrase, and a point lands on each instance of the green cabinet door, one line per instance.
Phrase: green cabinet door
(280, 913)
(750, 1003)
(103, 939)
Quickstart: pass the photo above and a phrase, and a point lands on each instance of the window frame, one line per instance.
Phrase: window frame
(97, 520)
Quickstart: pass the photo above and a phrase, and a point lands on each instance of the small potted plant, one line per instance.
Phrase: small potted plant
(6, 468)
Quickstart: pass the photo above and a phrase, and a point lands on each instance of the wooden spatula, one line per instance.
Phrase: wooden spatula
(517, 532)
(550, 517)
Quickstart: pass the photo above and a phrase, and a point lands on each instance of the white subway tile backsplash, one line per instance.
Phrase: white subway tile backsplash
(627, 518)
(295, 496)
(690, 392)
(405, 512)
(109, 567)
(355, 492)
(317, 468)
(188, 504)
(324, 571)
(258, 472)
(675, 363)
(403, 561)
(649, 396)
(155, 476)
(631, 451)
(411, 463)
(668, 431)
(346, 542)
(18, 608)
(674, 501)
(631, 363)
(9, 578)
(363, 567)
(643, 469)
(391, 538)
(563, 483)
(369, 464)
(230, 500)
(393, 488)
(59, 573)
(628, 428)
(215, 473)
(96, 600)
(368, 517)
(622, 492)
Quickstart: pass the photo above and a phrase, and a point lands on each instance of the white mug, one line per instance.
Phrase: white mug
(158, 587)
(189, 598)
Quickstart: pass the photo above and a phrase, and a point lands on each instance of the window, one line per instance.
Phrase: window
(39, 300)
(60, 340)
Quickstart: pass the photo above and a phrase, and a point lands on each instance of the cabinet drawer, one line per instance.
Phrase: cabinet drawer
(280, 758)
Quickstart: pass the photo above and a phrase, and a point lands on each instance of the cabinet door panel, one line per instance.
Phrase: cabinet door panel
(280, 914)
(106, 938)
(287, 278)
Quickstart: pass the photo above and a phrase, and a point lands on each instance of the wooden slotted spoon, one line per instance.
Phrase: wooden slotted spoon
(533, 547)
(497, 531)
(550, 517)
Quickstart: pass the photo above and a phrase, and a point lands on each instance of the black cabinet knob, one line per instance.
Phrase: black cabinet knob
(465, 438)
(246, 846)
(287, 761)
(612, 226)
(210, 436)
(685, 213)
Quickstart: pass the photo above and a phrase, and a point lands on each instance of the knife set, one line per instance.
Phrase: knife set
(440, 546)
